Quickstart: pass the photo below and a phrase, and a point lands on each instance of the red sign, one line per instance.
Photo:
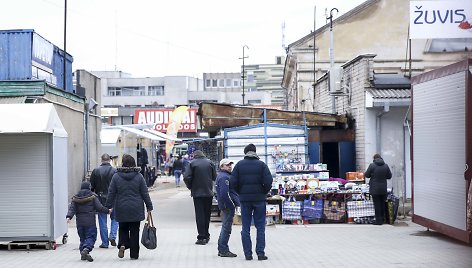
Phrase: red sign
(161, 117)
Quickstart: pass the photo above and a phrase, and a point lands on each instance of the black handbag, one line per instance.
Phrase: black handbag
(149, 237)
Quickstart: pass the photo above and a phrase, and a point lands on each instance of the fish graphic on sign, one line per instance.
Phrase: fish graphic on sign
(173, 127)
(466, 24)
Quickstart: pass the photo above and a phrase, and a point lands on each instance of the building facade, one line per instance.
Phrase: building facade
(375, 26)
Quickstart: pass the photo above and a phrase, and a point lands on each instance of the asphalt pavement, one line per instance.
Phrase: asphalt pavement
(403, 244)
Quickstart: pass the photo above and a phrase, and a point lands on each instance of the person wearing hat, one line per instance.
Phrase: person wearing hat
(252, 180)
(378, 172)
(100, 180)
(199, 177)
(228, 200)
(84, 205)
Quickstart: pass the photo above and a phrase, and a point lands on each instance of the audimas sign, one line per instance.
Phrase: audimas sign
(440, 19)
(160, 117)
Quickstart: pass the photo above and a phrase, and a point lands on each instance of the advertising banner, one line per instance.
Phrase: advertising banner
(174, 124)
(161, 119)
(440, 19)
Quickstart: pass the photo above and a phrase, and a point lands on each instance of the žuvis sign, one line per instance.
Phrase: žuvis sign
(440, 19)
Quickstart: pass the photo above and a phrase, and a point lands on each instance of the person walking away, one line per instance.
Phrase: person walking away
(199, 177)
(100, 180)
(252, 180)
(378, 172)
(185, 162)
(127, 196)
(84, 205)
(228, 200)
(177, 167)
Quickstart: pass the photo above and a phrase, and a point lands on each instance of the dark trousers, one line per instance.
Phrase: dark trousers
(202, 215)
(379, 206)
(129, 237)
(88, 236)
(256, 210)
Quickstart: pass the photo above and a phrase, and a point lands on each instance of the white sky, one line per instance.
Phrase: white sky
(159, 38)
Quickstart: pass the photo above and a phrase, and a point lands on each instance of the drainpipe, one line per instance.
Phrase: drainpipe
(385, 110)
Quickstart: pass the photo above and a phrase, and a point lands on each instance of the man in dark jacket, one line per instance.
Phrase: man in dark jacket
(100, 180)
(228, 200)
(252, 180)
(199, 177)
(84, 205)
(379, 173)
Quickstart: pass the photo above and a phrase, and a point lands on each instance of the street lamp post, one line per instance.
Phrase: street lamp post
(243, 76)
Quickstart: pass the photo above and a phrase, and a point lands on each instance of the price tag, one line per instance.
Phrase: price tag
(358, 203)
(293, 204)
(312, 202)
(334, 203)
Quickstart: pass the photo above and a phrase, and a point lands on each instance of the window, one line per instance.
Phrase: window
(254, 101)
(208, 83)
(214, 83)
(250, 76)
(235, 83)
(156, 90)
(228, 82)
(133, 91)
(114, 91)
(450, 45)
(221, 83)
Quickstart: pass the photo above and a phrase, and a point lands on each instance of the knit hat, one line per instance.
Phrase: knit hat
(85, 185)
(249, 148)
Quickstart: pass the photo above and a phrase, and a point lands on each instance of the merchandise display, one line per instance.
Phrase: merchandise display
(307, 194)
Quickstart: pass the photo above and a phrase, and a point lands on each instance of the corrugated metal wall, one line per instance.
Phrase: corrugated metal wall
(291, 139)
(25, 55)
(439, 150)
(15, 55)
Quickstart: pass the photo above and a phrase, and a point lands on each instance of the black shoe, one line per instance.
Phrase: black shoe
(206, 240)
(227, 254)
(121, 252)
(201, 242)
(85, 255)
(262, 257)
(248, 258)
(112, 242)
(103, 246)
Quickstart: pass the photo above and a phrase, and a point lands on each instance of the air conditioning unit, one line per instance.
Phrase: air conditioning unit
(335, 77)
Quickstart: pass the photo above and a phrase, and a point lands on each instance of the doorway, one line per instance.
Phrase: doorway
(330, 152)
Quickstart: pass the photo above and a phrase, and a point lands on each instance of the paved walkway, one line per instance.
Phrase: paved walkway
(322, 245)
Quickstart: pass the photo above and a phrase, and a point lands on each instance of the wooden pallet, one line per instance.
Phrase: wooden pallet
(28, 245)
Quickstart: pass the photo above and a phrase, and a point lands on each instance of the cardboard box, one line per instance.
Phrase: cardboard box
(272, 210)
(354, 176)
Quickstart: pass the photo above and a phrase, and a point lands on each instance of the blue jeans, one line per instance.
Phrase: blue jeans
(102, 223)
(88, 236)
(256, 210)
(177, 174)
(225, 233)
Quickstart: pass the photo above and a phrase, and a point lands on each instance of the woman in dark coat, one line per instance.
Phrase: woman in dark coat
(379, 173)
(127, 195)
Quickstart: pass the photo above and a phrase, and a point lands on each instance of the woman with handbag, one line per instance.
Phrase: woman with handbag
(127, 195)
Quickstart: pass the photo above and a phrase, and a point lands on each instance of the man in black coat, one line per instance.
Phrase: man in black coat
(199, 177)
(100, 180)
(252, 180)
(379, 173)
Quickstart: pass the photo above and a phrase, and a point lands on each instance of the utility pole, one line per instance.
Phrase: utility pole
(65, 51)
(331, 52)
(243, 76)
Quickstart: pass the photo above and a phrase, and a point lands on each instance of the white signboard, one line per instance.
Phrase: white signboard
(440, 19)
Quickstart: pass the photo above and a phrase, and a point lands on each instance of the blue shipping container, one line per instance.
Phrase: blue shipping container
(25, 55)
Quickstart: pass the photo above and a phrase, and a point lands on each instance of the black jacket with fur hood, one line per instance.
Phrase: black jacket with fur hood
(127, 195)
(84, 205)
